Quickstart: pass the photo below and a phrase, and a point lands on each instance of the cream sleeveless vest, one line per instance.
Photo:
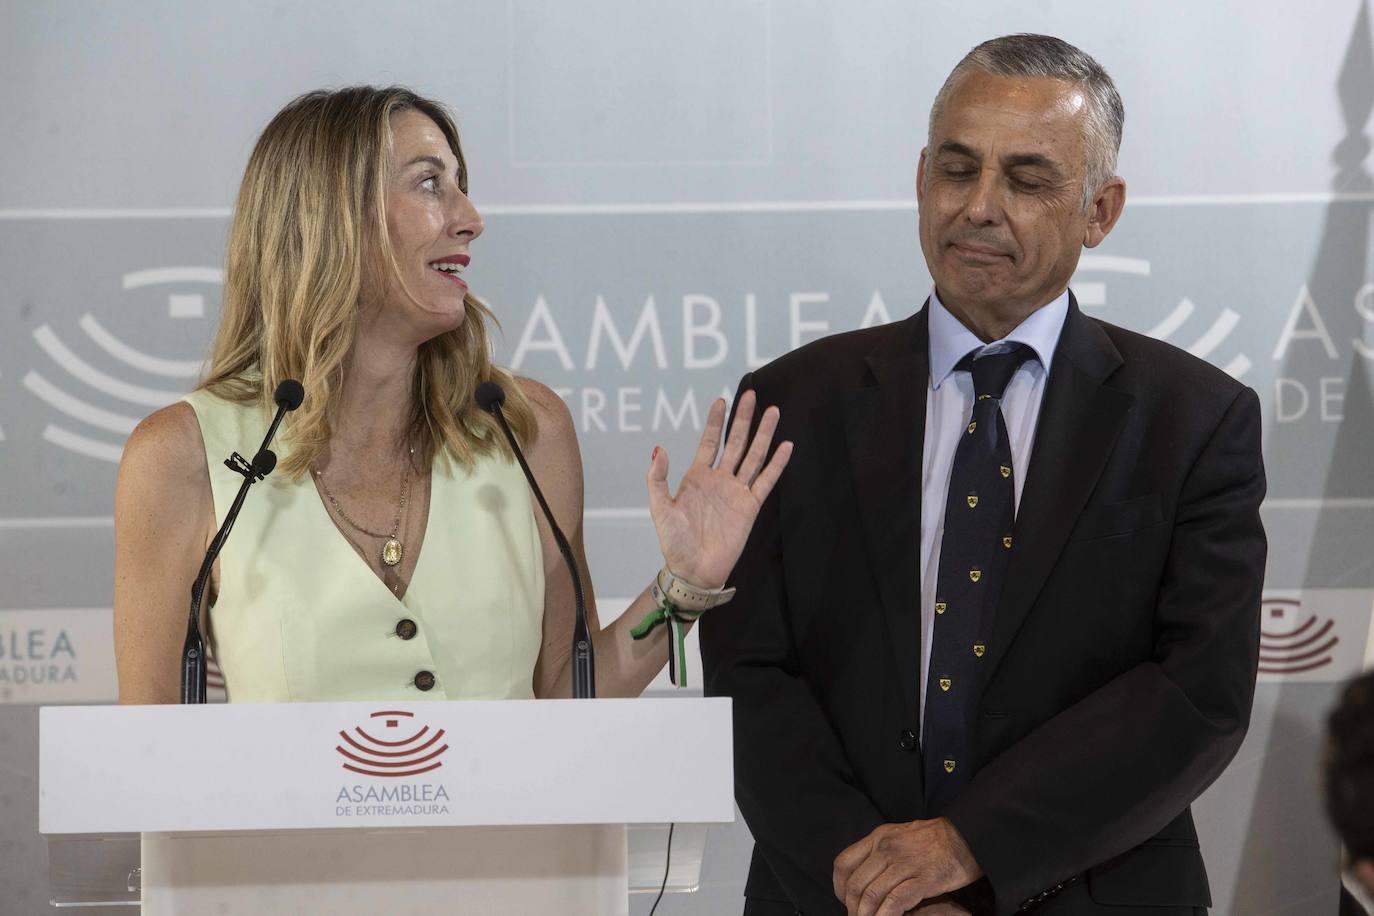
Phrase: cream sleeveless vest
(300, 617)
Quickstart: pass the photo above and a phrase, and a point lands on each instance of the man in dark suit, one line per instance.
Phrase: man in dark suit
(997, 627)
(1348, 774)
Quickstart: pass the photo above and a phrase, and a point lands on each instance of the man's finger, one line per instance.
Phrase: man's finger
(846, 862)
(869, 882)
(907, 895)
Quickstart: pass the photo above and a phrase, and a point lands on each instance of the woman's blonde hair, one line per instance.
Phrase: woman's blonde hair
(313, 195)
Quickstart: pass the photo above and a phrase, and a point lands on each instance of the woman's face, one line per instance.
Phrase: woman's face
(430, 222)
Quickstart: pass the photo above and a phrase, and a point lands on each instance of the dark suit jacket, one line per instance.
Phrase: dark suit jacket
(1118, 681)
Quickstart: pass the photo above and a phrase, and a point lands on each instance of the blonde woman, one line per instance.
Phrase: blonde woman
(395, 553)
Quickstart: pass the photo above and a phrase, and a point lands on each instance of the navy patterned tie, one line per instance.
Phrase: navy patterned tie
(979, 510)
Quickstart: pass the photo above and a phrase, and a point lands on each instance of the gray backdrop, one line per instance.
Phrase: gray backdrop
(675, 193)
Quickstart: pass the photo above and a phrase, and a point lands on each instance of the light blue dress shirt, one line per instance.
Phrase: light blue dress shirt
(949, 404)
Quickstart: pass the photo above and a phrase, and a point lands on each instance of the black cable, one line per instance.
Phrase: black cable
(667, 859)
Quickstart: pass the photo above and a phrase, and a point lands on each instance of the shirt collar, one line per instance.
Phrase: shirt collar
(950, 341)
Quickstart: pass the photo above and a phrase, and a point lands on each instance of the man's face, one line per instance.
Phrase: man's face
(1001, 193)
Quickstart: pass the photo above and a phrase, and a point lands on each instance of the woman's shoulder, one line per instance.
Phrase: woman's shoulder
(553, 420)
(553, 455)
(163, 464)
(167, 435)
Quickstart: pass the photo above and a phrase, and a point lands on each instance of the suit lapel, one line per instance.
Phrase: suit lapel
(1080, 419)
(884, 429)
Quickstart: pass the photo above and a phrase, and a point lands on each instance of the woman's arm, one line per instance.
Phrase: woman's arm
(701, 533)
(164, 519)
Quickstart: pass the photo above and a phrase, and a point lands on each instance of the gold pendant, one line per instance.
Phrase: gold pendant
(391, 552)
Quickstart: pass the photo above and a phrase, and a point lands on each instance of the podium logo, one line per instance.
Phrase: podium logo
(216, 690)
(1292, 641)
(388, 753)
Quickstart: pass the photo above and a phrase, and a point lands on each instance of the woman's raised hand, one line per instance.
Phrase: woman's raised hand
(703, 528)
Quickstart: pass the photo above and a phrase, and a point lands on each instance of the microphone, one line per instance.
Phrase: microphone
(491, 397)
(288, 396)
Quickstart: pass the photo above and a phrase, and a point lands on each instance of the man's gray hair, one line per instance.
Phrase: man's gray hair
(1025, 56)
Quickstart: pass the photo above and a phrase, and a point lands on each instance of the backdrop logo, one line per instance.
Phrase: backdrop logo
(1203, 345)
(392, 755)
(1292, 641)
(36, 656)
(144, 397)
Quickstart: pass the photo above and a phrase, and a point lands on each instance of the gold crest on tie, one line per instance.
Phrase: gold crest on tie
(972, 426)
(1006, 471)
(949, 766)
(945, 683)
(1006, 542)
(973, 500)
(975, 574)
(939, 607)
(979, 649)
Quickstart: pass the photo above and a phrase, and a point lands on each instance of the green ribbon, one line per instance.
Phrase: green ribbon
(676, 619)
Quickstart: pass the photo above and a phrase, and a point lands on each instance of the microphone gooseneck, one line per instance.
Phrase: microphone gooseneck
(491, 397)
(288, 397)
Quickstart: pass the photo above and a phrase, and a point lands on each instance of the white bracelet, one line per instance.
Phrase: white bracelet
(680, 593)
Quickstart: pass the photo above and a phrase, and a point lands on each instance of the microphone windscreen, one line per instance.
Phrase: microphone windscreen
(289, 394)
(266, 460)
(490, 396)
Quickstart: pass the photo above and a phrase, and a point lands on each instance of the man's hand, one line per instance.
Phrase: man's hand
(897, 866)
(940, 906)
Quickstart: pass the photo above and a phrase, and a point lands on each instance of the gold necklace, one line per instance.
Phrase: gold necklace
(392, 548)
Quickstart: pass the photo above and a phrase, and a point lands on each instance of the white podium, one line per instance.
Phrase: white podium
(455, 807)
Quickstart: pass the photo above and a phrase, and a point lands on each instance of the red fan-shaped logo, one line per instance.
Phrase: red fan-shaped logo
(391, 746)
(1292, 641)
